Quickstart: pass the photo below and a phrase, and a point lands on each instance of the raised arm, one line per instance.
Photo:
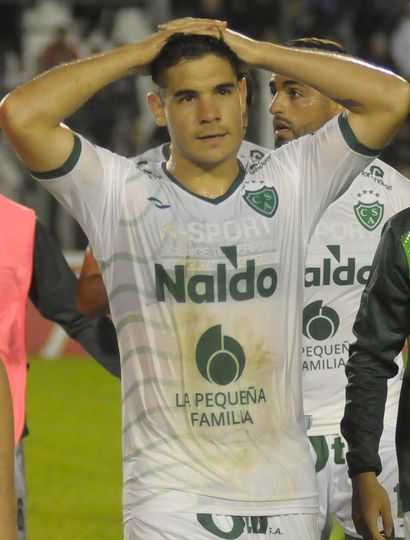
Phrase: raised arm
(32, 114)
(377, 99)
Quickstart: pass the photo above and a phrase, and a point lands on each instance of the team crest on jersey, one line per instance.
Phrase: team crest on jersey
(265, 200)
(369, 214)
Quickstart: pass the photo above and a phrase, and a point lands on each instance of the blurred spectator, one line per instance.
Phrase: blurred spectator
(58, 51)
(400, 42)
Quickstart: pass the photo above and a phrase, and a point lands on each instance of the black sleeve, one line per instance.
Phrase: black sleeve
(381, 328)
(53, 290)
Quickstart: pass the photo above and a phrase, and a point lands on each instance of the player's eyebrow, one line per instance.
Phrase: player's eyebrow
(225, 86)
(286, 84)
(190, 92)
(185, 92)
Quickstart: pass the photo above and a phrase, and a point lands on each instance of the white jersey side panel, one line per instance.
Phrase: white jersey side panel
(206, 296)
(339, 258)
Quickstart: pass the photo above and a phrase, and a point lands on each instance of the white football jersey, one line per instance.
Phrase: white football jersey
(206, 296)
(339, 259)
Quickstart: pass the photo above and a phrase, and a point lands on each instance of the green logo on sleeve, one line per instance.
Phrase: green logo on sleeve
(265, 201)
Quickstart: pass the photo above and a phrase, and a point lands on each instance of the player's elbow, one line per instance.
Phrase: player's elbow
(397, 102)
(84, 306)
(15, 116)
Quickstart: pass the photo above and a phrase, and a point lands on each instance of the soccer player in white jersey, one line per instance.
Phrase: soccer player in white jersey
(339, 258)
(203, 261)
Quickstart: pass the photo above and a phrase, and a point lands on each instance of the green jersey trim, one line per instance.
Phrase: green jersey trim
(166, 151)
(405, 240)
(66, 167)
(351, 139)
(235, 184)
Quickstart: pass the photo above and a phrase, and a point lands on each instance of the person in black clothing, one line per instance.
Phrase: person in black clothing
(382, 326)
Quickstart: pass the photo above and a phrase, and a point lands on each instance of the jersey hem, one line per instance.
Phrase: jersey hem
(310, 507)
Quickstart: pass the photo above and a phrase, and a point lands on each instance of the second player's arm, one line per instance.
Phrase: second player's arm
(377, 99)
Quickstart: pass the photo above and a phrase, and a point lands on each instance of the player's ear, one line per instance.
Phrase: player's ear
(243, 89)
(156, 106)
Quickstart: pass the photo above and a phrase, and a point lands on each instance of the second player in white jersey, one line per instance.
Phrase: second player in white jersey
(339, 258)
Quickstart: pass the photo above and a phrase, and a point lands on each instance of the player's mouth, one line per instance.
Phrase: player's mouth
(281, 128)
(211, 137)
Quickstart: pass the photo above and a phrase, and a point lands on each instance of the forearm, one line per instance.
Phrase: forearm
(54, 95)
(362, 423)
(32, 114)
(354, 83)
(364, 90)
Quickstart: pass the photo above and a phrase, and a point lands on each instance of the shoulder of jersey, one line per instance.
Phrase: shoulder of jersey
(386, 175)
(152, 155)
(252, 151)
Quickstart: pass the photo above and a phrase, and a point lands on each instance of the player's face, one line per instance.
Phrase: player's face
(298, 109)
(203, 108)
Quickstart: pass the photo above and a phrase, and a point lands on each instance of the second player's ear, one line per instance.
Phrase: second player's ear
(156, 106)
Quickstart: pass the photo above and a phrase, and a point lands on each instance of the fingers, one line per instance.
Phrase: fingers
(388, 524)
(191, 24)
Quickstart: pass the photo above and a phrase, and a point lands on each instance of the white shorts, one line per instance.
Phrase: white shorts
(181, 526)
(335, 489)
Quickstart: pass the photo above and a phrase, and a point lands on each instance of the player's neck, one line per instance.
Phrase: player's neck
(206, 180)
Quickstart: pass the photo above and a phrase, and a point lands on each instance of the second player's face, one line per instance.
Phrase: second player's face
(298, 109)
(203, 109)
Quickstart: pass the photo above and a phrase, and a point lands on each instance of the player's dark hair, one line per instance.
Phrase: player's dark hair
(318, 44)
(188, 47)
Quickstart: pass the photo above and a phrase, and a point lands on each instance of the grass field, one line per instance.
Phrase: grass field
(73, 453)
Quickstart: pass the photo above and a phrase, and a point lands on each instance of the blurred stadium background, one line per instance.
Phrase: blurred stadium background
(73, 451)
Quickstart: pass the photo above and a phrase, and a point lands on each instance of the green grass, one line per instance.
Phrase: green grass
(73, 453)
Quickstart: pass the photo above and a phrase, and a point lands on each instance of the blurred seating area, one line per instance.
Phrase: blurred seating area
(38, 34)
